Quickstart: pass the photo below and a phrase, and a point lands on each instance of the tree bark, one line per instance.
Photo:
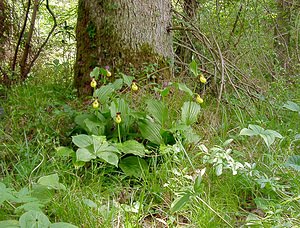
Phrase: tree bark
(121, 34)
(282, 32)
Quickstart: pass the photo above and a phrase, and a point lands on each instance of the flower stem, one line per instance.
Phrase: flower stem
(119, 133)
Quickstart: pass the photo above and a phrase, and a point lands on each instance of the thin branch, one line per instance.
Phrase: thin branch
(47, 39)
(13, 66)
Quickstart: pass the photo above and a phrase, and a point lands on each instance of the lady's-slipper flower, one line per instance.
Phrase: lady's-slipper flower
(93, 83)
(95, 104)
(199, 99)
(118, 118)
(134, 86)
(202, 79)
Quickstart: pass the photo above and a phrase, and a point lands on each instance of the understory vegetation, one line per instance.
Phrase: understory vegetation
(217, 145)
(237, 165)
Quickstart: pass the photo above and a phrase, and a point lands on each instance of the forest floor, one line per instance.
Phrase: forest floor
(237, 175)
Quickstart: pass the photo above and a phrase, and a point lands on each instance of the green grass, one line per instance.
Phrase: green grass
(39, 117)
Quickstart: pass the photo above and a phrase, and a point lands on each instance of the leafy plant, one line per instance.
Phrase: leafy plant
(293, 162)
(221, 160)
(31, 201)
(116, 127)
(268, 136)
(292, 106)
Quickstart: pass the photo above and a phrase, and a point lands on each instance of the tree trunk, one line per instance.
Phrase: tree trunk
(282, 32)
(121, 34)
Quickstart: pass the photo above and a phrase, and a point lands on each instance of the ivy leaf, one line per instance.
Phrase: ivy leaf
(82, 141)
(34, 219)
(51, 182)
(180, 202)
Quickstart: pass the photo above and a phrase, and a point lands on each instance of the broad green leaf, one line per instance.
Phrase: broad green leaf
(83, 154)
(184, 88)
(267, 135)
(180, 202)
(157, 110)
(255, 128)
(95, 127)
(6, 193)
(78, 164)
(63, 151)
(51, 182)
(118, 84)
(151, 130)
(98, 142)
(132, 147)
(82, 141)
(165, 92)
(248, 132)
(104, 93)
(34, 219)
(24, 196)
(197, 184)
(32, 206)
(292, 106)
(190, 112)
(133, 166)
(219, 169)
(194, 68)
(227, 142)
(42, 193)
(109, 157)
(294, 162)
(127, 79)
(62, 225)
(90, 203)
(80, 120)
(9, 224)
(274, 133)
(120, 105)
(95, 73)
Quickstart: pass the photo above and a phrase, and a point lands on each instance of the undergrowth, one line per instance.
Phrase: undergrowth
(234, 174)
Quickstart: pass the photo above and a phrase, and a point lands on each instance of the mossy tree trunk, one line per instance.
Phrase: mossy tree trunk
(121, 34)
